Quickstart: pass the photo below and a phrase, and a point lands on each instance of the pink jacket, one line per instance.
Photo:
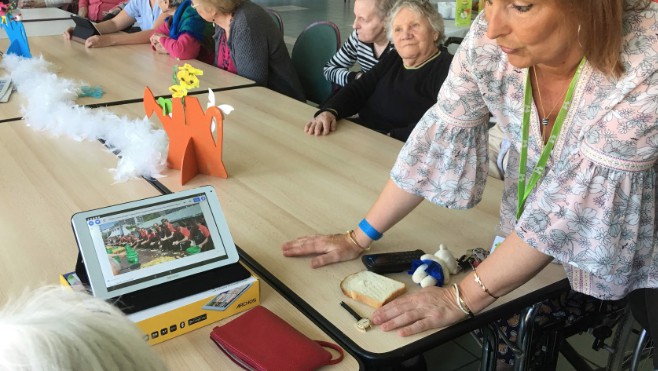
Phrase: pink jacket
(186, 47)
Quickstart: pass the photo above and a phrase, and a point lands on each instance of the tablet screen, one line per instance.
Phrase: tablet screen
(143, 243)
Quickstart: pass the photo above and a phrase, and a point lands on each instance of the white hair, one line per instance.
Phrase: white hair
(54, 328)
(421, 7)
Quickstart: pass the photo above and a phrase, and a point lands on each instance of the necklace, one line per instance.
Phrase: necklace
(544, 120)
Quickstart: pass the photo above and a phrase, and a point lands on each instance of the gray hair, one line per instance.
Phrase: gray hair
(383, 7)
(53, 328)
(422, 7)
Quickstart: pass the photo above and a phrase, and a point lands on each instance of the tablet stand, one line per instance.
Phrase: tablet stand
(173, 290)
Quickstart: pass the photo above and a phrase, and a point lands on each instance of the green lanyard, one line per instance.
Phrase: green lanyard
(538, 171)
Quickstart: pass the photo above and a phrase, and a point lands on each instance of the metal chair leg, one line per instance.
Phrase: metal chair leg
(639, 347)
(489, 347)
(526, 327)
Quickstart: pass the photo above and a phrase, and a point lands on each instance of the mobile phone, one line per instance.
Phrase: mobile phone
(391, 262)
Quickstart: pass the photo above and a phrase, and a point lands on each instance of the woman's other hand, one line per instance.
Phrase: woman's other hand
(322, 124)
(67, 33)
(330, 249)
(98, 41)
(430, 308)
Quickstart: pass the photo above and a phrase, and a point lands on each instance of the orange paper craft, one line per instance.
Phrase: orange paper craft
(192, 148)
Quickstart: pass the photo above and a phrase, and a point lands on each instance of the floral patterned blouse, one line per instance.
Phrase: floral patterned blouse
(594, 210)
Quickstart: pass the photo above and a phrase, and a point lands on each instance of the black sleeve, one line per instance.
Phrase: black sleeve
(350, 99)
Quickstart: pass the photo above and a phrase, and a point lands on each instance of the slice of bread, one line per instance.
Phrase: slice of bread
(371, 288)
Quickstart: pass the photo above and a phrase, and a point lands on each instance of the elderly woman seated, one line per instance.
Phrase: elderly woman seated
(366, 45)
(249, 44)
(393, 96)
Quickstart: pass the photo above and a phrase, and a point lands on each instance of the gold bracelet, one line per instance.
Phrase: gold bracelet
(352, 239)
(482, 286)
(460, 302)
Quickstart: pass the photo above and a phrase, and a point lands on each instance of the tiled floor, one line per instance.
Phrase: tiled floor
(463, 353)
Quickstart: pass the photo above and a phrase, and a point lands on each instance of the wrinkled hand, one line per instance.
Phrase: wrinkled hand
(98, 41)
(155, 42)
(430, 308)
(332, 248)
(321, 124)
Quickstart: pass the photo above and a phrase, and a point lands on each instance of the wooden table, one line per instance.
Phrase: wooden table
(122, 71)
(283, 184)
(43, 181)
(44, 14)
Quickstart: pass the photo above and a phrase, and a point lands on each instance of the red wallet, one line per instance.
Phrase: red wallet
(261, 340)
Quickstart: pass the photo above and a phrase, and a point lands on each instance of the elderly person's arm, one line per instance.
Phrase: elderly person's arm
(337, 69)
(120, 22)
(350, 99)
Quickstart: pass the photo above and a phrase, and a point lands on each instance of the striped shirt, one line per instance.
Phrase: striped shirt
(337, 69)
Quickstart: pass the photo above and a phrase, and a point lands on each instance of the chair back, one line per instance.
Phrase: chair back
(276, 18)
(313, 48)
(452, 43)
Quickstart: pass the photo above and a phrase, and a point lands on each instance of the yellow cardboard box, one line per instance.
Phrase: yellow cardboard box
(181, 316)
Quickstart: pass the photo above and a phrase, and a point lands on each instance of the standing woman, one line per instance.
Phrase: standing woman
(574, 85)
(248, 43)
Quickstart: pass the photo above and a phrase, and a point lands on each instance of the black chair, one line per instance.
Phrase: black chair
(313, 48)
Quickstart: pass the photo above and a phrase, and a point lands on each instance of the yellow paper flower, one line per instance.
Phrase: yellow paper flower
(187, 80)
(192, 70)
(178, 91)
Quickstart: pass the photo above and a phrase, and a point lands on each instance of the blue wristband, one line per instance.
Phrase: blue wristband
(371, 232)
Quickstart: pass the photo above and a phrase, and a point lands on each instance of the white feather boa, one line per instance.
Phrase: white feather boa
(51, 107)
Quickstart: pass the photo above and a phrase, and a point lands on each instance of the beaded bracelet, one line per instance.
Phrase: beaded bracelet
(482, 286)
(460, 303)
(352, 239)
(369, 230)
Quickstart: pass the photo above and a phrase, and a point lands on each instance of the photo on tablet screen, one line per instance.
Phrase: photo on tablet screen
(135, 247)
(148, 240)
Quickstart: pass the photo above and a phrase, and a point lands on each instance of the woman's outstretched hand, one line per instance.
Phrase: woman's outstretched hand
(330, 249)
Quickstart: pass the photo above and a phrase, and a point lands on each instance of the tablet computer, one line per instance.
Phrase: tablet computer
(84, 28)
(148, 252)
